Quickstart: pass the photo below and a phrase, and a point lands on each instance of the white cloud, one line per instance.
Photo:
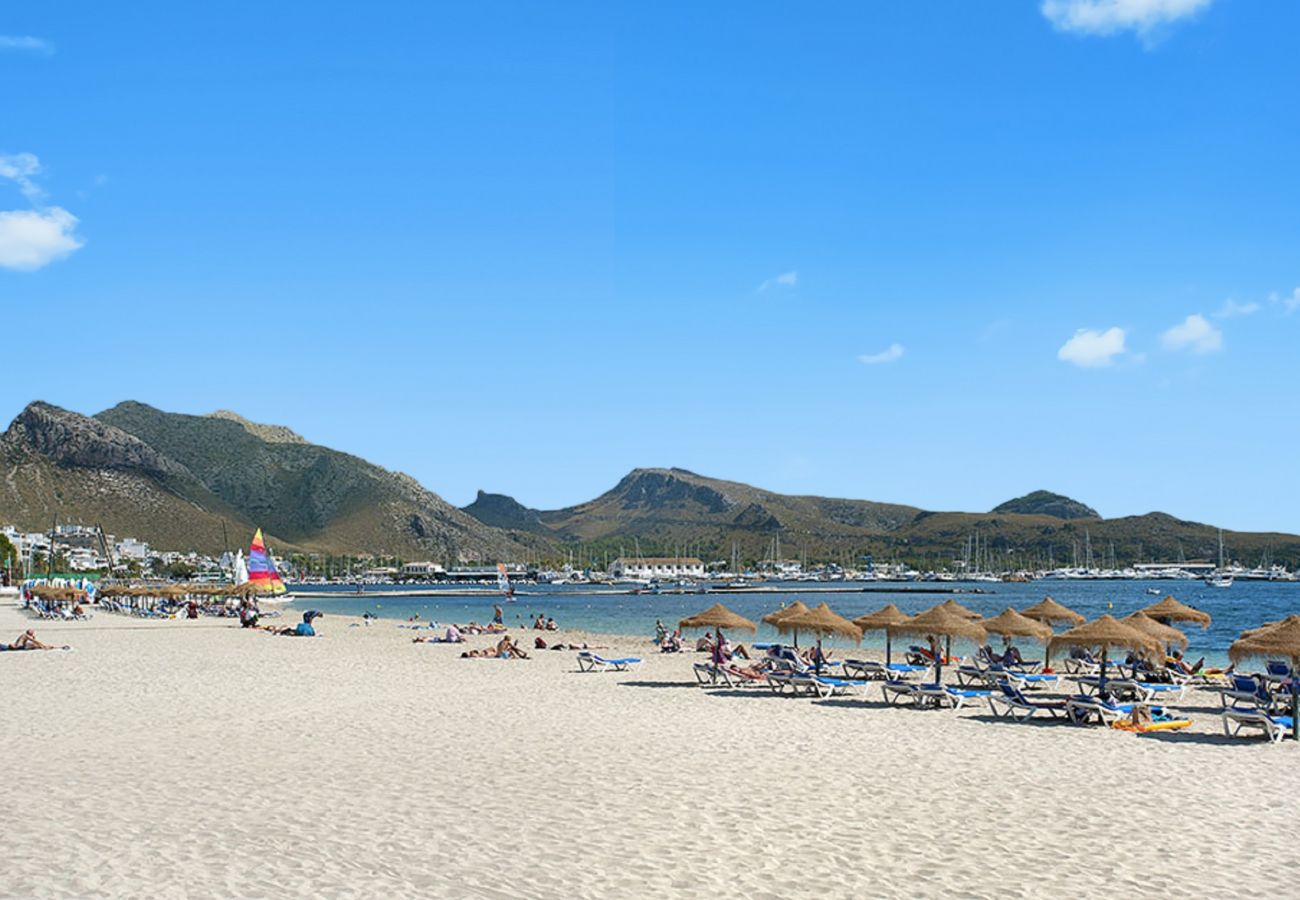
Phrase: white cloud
(26, 42)
(1231, 309)
(892, 353)
(1289, 304)
(1091, 349)
(785, 279)
(32, 238)
(19, 168)
(1194, 333)
(1103, 17)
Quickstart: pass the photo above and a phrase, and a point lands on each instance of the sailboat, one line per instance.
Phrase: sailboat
(503, 582)
(1220, 579)
(262, 573)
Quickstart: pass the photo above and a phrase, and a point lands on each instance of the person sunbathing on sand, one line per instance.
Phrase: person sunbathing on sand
(27, 641)
(508, 649)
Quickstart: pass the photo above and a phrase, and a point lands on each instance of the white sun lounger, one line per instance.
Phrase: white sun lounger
(590, 662)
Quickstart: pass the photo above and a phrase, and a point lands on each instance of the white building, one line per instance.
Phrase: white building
(130, 548)
(422, 570)
(645, 567)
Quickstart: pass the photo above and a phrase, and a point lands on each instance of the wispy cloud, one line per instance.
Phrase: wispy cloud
(1231, 309)
(1194, 333)
(1092, 349)
(892, 353)
(1145, 18)
(36, 237)
(21, 168)
(26, 43)
(1289, 304)
(784, 280)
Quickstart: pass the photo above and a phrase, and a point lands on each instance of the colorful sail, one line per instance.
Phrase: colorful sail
(262, 573)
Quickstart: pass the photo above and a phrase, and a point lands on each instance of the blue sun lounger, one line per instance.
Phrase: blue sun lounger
(877, 671)
(790, 682)
(590, 662)
(930, 695)
(1009, 701)
(1238, 718)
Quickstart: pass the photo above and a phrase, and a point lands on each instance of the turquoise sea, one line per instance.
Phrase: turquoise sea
(1244, 605)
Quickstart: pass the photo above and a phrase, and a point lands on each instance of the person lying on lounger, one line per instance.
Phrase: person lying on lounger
(815, 655)
(27, 641)
(1178, 664)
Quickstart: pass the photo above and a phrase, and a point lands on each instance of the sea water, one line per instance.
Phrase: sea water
(605, 610)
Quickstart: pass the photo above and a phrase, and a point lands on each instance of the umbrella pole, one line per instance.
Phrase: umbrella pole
(886, 649)
(1295, 700)
(1101, 682)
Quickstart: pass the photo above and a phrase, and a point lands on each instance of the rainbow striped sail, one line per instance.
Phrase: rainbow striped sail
(262, 573)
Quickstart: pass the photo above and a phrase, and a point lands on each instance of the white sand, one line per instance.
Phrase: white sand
(196, 759)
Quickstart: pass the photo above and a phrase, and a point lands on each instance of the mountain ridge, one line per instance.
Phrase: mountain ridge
(183, 481)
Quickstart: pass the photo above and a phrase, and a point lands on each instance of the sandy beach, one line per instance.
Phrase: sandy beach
(185, 758)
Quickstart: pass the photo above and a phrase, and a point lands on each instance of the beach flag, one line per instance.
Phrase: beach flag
(262, 573)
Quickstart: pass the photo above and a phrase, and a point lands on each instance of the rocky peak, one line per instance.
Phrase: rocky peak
(1045, 503)
(272, 434)
(72, 440)
(659, 488)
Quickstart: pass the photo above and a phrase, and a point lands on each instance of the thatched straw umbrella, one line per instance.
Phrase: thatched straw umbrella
(796, 608)
(1010, 623)
(717, 616)
(820, 621)
(1170, 610)
(1105, 633)
(1165, 634)
(953, 606)
(937, 622)
(1279, 640)
(880, 620)
(1049, 612)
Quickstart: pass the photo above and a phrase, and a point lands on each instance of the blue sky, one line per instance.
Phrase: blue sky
(936, 253)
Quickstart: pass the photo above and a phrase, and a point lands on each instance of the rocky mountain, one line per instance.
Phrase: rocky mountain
(1045, 503)
(666, 510)
(501, 511)
(174, 479)
(62, 465)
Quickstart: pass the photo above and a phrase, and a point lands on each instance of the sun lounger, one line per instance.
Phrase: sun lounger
(790, 682)
(709, 675)
(590, 662)
(932, 695)
(1029, 680)
(871, 670)
(1009, 701)
(1082, 710)
(946, 695)
(1247, 691)
(1237, 718)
